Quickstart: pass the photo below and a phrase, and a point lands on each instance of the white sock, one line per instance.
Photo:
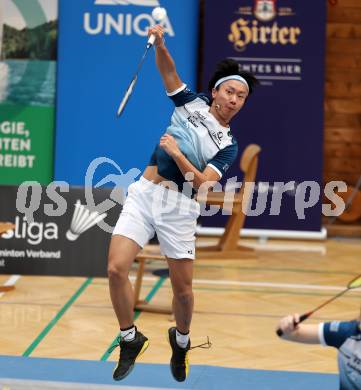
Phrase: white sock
(182, 339)
(128, 334)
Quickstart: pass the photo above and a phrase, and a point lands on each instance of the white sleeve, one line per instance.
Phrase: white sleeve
(180, 89)
(321, 334)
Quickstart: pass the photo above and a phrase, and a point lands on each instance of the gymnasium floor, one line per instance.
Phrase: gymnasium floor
(56, 331)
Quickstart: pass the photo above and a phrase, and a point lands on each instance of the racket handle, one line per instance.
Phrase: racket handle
(302, 318)
(151, 41)
(279, 331)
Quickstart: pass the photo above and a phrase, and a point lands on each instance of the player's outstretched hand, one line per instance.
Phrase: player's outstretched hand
(289, 323)
(158, 31)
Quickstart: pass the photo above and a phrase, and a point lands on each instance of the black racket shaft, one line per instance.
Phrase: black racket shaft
(132, 83)
(304, 317)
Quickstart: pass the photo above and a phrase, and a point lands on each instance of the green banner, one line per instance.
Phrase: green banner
(28, 37)
(26, 144)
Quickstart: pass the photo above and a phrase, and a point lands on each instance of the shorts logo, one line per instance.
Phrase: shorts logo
(145, 3)
(190, 252)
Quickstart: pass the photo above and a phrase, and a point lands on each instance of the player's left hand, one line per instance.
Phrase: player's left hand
(169, 144)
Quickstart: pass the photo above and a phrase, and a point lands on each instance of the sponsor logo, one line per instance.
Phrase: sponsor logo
(200, 116)
(126, 24)
(32, 232)
(265, 10)
(215, 137)
(193, 119)
(83, 219)
(144, 3)
(253, 27)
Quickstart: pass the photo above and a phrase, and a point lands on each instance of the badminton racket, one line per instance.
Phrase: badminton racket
(130, 88)
(354, 283)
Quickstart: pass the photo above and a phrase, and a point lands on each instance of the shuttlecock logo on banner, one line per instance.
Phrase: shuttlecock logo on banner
(83, 219)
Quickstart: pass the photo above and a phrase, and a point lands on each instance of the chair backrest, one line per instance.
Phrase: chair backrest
(249, 162)
(248, 165)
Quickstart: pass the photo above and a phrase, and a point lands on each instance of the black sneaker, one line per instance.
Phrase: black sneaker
(179, 362)
(129, 352)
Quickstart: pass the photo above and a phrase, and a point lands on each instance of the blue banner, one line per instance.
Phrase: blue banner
(283, 44)
(100, 45)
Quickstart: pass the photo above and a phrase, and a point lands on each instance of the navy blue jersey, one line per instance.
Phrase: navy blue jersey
(199, 136)
(346, 337)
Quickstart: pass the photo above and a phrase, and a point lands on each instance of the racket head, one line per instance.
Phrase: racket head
(355, 283)
(126, 97)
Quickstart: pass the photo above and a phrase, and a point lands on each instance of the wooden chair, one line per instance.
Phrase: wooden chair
(227, 246)
(4, 227)
(150, 252)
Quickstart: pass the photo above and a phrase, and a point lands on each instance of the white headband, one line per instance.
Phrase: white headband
(232, 77)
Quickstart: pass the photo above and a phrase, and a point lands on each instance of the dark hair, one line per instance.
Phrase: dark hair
(230, 67)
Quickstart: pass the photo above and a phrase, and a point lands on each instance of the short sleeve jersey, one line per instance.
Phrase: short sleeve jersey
(346, 337)
(200, 137)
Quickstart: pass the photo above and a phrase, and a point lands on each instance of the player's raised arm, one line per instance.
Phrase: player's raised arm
(164, 60)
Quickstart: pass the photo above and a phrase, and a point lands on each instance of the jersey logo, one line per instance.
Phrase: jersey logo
(225, 167)
(193, 119)
(334, 326)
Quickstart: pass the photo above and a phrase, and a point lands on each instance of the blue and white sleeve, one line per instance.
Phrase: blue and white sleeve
(184, 95)
(335, 333)
(224, 159)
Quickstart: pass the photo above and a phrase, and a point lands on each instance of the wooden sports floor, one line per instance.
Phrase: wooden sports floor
(237, 304)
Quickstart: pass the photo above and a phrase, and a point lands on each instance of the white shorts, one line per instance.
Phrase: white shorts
(151, 208)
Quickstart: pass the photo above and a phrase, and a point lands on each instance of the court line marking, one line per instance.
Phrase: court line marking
(57, 317)
(260, 284)
(269, 269)
(156, 264)
(10, 282)
(152, 292)
(10, 383)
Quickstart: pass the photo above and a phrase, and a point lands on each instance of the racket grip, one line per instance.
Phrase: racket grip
(151, 41)
(304, 317)
(279, 331)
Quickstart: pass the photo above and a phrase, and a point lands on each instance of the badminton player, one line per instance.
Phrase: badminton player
(345, 336)
(196, 149)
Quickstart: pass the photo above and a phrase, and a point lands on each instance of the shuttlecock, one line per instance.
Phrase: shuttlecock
(83, 219)
(159, 13)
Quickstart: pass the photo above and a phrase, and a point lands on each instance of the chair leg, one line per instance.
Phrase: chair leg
(139, 281)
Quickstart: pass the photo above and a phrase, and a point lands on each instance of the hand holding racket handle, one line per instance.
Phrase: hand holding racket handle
(303, 317)
(151, 41)
(354, 283)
